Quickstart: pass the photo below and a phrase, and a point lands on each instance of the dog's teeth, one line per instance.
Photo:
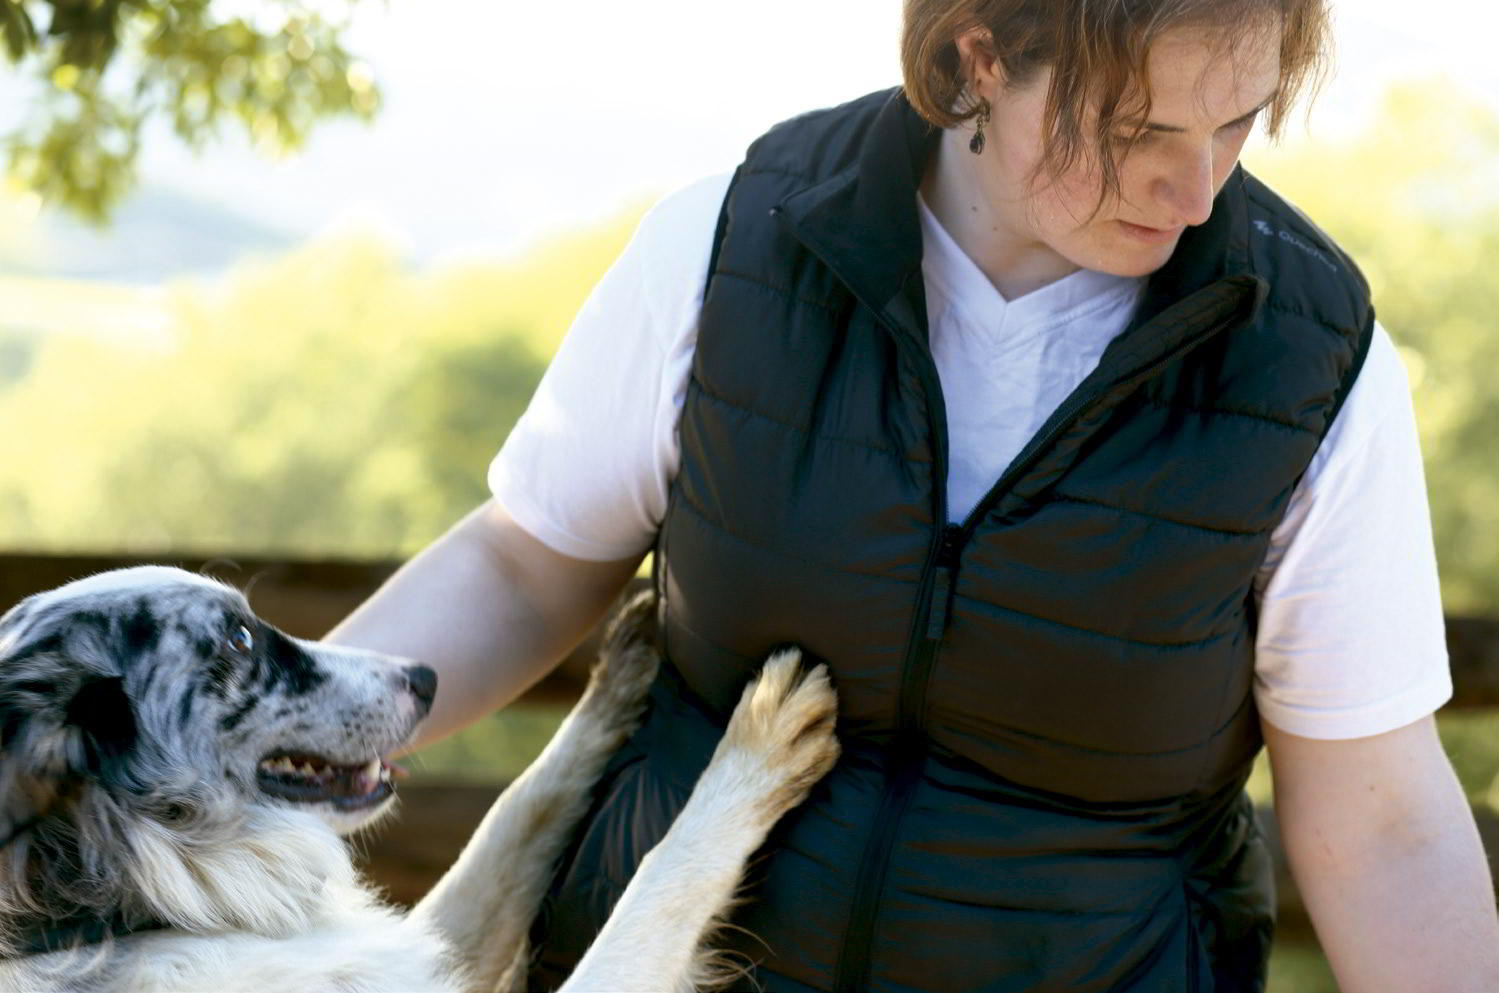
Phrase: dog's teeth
(281, 767)
(367, 776)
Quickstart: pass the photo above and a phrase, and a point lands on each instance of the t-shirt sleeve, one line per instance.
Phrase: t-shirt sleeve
(587, 467)
(1351, 640)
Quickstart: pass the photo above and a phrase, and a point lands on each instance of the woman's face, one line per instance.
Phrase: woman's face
(1205, 98)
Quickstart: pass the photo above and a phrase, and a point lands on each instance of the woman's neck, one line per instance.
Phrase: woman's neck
(993, 233)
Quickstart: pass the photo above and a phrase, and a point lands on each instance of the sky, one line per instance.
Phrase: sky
(506, 123)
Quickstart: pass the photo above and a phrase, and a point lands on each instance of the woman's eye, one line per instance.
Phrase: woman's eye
(241, 640)
(1133, 139)
(1243, 125)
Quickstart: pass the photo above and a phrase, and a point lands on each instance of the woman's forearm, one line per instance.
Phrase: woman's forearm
(490, 608)
(1389, 863)
(1416, 916)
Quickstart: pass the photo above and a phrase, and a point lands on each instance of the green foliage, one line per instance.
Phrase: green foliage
(1413, 199)
(327, 403)
(17, 352)
(1297, 966)
(459, 397)
(103, 68)
(1471, 740)
(493, 750)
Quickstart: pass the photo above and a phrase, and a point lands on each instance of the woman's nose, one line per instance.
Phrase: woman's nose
(1188, 187)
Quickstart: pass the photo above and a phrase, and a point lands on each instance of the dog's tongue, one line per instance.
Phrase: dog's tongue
(366, 778)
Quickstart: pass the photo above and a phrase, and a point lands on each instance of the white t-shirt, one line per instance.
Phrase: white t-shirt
(1351, 639)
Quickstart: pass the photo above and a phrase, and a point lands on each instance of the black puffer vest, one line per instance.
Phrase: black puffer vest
(1046, 709)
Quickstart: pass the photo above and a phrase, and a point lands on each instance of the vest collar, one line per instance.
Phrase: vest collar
(862, 222)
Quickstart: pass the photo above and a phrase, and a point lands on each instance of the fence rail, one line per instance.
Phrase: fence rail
(406, 854)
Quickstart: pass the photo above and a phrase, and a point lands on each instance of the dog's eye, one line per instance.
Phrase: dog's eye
(241, 640)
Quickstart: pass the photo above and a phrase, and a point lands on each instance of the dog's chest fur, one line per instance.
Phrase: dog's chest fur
(368, 950)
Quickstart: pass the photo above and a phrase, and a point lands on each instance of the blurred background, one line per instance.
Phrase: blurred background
(276, 278)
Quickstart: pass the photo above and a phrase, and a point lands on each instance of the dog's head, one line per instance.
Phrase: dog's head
(166, 756)
(162, 690)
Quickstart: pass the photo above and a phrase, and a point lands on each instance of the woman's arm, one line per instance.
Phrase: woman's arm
(588, 467)
(1383, 846)
(489, 607)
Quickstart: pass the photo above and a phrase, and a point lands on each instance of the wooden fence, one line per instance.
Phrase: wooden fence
(408, 852)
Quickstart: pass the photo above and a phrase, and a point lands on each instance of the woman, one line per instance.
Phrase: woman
(1078, 456)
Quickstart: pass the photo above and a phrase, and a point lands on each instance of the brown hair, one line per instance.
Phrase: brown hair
(1097, 51)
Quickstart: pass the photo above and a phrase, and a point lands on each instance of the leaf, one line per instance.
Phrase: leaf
(20, 33)
(179, 64)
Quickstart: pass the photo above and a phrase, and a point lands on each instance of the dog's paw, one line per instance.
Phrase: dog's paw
(785, 722)
(626, 666)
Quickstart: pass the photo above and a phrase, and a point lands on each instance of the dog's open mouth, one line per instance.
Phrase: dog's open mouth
(305, 778)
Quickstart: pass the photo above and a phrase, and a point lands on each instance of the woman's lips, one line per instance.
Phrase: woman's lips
(1153, 236)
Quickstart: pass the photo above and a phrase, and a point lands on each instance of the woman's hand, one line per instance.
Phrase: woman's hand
(1384, 848)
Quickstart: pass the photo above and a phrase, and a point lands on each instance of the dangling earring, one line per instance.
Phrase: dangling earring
(981, 122)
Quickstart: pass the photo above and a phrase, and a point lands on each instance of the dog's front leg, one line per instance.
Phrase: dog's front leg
(779, 743)
(483, 906)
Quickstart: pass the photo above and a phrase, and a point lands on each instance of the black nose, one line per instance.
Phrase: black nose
(423, 683)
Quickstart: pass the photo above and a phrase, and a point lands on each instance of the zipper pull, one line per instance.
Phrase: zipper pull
(948, 554)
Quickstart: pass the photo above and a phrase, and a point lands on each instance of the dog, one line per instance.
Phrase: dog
(177, 776)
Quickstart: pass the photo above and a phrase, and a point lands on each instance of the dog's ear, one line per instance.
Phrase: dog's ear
(61, 720)
(101, 713)
(31, 755)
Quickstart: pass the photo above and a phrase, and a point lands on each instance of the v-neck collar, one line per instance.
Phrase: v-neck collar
(954, 277)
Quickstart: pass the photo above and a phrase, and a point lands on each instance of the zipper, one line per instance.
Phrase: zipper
(906, 752)
(905, 757)
(911, 718)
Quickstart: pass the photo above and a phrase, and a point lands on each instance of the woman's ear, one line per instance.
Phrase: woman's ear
(982, 69)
